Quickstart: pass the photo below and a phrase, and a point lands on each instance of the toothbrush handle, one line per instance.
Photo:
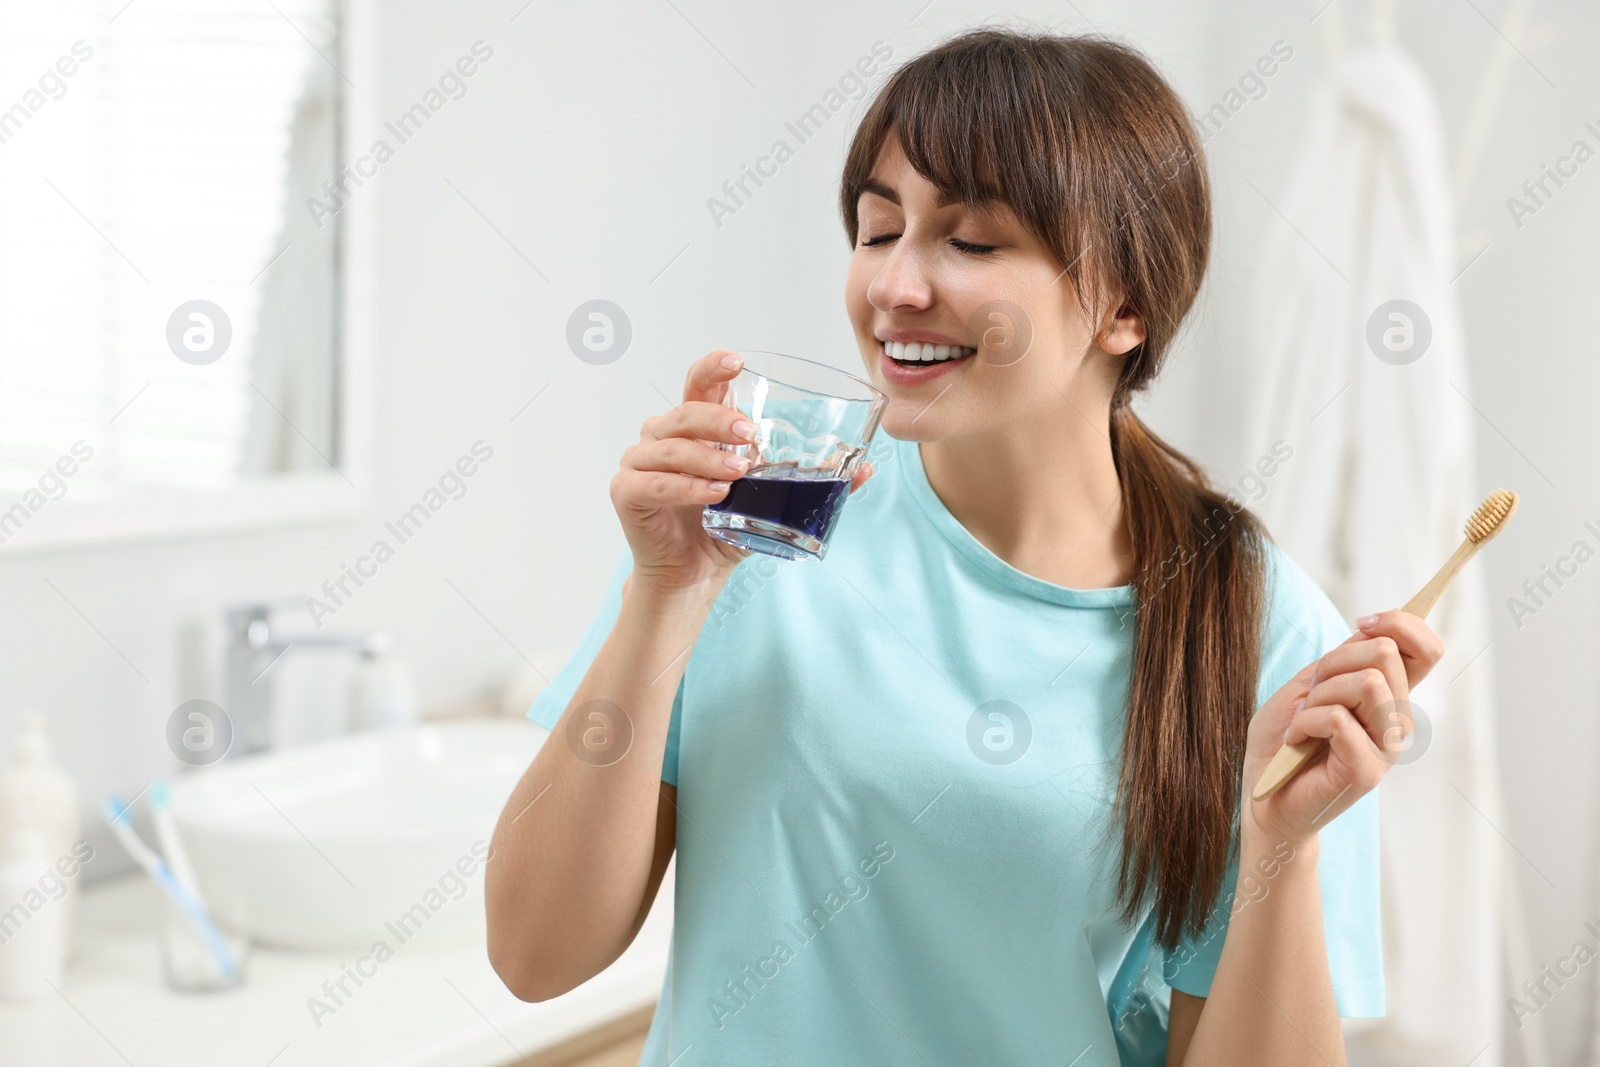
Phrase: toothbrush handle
(1429, 594)
(1288, 760)
(176, 855)
(1285, 765)
(201, 920)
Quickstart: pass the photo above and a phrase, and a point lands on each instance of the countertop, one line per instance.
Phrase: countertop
(425, 1007)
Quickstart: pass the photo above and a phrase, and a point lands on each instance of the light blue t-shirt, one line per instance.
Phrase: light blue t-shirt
(895, 772)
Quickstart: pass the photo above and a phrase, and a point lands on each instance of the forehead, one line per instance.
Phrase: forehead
(894, 179)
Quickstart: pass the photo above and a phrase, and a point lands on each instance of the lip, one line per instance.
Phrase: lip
(921, 336)
(895, 374)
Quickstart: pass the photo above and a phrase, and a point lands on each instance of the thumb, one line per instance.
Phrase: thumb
(863, 472)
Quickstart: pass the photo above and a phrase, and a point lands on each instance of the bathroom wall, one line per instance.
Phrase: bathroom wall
(578, 166)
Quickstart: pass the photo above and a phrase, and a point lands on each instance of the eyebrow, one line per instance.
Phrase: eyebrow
(872, 185)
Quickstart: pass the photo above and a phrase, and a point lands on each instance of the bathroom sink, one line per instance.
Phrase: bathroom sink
(341, 844)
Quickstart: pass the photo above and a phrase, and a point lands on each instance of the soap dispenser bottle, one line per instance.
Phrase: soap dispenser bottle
(33, 952)
(36, 792)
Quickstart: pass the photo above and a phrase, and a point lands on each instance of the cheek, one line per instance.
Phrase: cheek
(855, 286)
(856, 304)
(861, 313)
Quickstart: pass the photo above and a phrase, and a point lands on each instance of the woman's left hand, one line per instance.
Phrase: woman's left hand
(1357, 698)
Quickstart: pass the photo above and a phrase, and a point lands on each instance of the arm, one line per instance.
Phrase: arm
(583, 842)
(581, 846)
(1271, 1000)
(1182, 1018)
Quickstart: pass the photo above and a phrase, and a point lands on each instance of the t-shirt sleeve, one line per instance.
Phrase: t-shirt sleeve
(1302, 625)
(553, 700)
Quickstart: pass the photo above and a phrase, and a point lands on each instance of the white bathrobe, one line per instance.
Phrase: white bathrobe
(1372, 502)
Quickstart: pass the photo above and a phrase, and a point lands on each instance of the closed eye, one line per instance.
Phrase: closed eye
(955, 242)
(967, 246)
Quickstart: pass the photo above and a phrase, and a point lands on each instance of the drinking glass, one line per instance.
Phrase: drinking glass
(189, 960)
(814, 424)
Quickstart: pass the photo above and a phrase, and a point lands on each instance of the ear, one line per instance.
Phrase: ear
(1123, 331)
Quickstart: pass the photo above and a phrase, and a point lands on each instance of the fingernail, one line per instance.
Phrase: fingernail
(1300, 706)
(730, 362)
(737, 463)
(1366, 621)
(717, 487)
(744, 428)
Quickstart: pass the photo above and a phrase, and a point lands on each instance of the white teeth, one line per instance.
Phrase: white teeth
(924, 352)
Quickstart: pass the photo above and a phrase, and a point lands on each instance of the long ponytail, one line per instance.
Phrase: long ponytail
(1197, 584)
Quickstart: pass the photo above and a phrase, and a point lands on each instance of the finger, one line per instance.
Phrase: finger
(701, 420)
(1293, 689)
(863, 472)
(1274, 715)
(708, 375)
(1348, 742)
(647, 491)
(1312, 720)
(683, 456)
(1381, 653)
(1395, 728)
(1302, 681)
(1420, 648)
(1365, 692)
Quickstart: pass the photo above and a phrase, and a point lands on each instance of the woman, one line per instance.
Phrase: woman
(970, 790)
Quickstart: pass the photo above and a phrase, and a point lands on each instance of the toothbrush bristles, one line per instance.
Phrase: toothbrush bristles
(1491, 515)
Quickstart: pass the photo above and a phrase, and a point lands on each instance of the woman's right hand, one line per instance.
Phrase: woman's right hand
(675, 470)
(668, 478)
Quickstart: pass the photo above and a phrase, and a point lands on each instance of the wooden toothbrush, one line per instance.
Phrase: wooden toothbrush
(1490, 518)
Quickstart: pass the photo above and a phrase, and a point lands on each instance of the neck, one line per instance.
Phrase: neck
(1042, 493)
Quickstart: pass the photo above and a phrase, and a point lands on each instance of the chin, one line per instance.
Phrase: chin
(900, 421)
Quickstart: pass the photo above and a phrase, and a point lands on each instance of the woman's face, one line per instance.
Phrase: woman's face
(975, 284)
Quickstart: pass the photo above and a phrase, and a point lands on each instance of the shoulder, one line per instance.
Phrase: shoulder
(1300, 622)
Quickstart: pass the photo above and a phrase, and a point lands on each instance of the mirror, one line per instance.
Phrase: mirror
(170, 241)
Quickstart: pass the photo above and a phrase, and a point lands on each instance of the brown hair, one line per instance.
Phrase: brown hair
(1100, 160)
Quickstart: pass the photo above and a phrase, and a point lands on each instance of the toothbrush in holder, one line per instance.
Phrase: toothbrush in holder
(1490, 518)
(116, 813)
(172, 849)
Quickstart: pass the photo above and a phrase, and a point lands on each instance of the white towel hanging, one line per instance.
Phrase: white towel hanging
(1383, 475)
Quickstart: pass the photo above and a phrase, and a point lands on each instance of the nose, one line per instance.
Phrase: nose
(902, 281)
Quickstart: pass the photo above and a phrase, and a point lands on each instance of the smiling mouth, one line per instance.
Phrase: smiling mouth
(921, 354)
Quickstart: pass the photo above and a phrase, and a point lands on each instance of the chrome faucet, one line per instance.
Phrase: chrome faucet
(255, 646)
